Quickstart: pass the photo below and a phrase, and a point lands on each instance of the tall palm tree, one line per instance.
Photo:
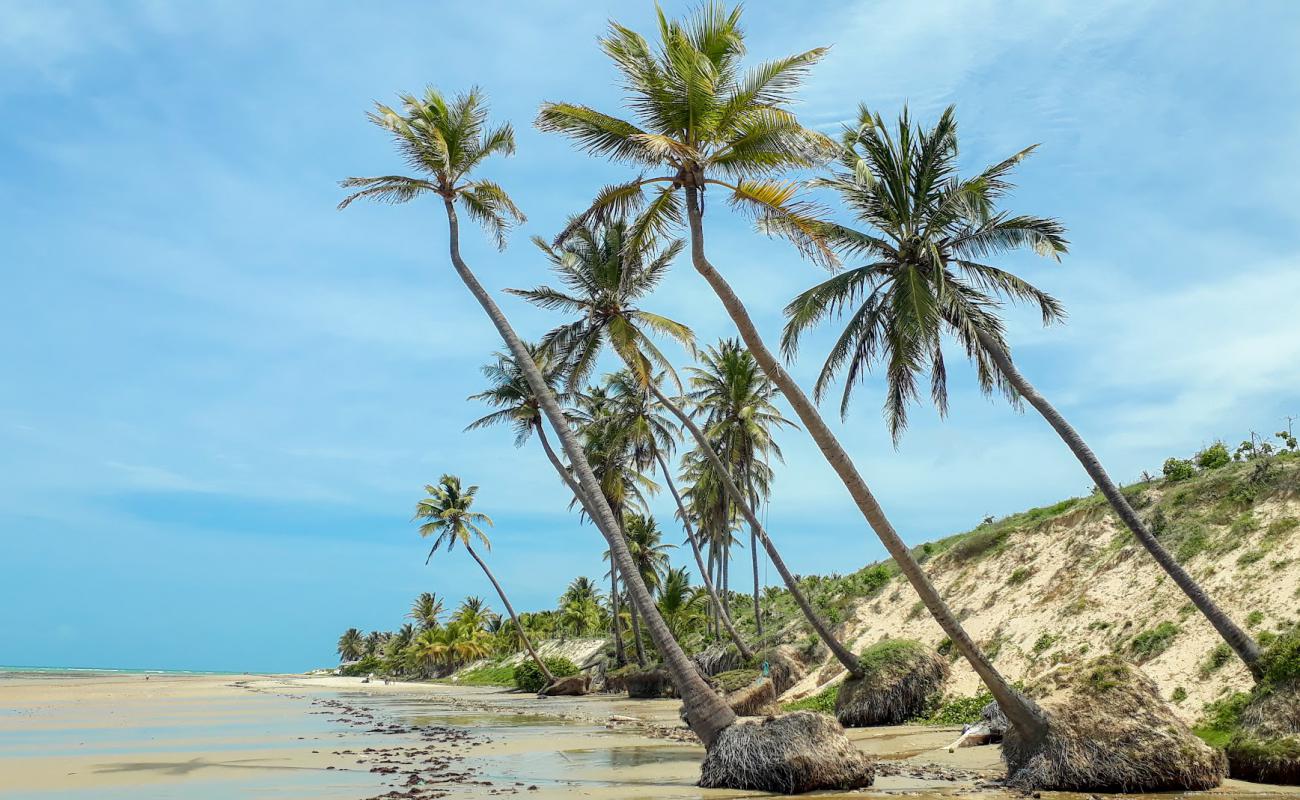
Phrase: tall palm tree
(706, 124)
(352, 645)
(580, 607)
(649, 550)
(680, 603)
(444, 142)
(652, 440)
(518, 405)
(426, 610)
(607, 269)
(928, 235)
(374, 642)
(736, 400)
(450, 518)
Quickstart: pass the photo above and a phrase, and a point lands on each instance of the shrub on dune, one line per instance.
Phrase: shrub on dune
(1266, 745)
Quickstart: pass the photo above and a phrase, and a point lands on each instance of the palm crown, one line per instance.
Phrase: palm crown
(698, 115)
(736, 399)
(444, 141)
(604, 275)
(508, 391)
(929, 233)
(450, 518)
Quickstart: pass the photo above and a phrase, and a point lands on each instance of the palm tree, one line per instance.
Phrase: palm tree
(374, 642)
(679, 602)
(648, 551)
(580, 606)
(351, 645)
(736, 400)
(474, 612)
(517, 404)
(652, 439)
(451, 519)
(607, 269)
(445, 142)
(426, 610)
(701, 119)
(929, 234)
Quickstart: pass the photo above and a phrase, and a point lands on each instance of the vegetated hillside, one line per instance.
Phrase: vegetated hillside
(1054, 584)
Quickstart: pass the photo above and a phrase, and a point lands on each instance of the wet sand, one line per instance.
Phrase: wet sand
(290, 737)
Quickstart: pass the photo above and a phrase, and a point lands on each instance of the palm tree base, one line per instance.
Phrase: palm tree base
(790, 754)
(901, 680)
(1109, 731)
(569, 686)
(1266, 749)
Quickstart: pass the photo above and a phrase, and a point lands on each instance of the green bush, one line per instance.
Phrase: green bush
(1214, 456)
(1019, 575)
(1221, 719)
(959, 710)
(1178, 469)
(1150, 643)
(979, 543)
(529, 678)
(1179, 695)
(1282, 659)
(365, 666)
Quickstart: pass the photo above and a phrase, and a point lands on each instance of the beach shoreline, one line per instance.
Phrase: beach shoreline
(304, 736)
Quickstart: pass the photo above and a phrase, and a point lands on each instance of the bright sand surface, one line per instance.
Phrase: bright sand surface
(199, 737)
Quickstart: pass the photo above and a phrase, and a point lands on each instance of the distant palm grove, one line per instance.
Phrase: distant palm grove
(916, 252)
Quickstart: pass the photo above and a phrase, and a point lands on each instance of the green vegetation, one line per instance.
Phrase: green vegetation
(489, 675)
(1217, 657)
(1151, 643)
(959, 710)
(1179, 694)
(823, 701)
(529, 678)
(1220, 719)
(1045, 642)
(1214, 457)
(1019, 575)
(732, 680)
(1178, 469)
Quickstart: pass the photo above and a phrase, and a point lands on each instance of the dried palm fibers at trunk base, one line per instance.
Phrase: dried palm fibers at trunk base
(1109, 731)
(790, 754)
(900, 679)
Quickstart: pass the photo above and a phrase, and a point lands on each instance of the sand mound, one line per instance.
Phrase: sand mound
(1109, 730)
(799, 752)
(647, 684)
(754, 700)
(901, 678)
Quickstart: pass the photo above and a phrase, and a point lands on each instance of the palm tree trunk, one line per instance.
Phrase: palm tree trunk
(620, 656)
(753, 553)
(1240, 641)
(706, 713)
(745, 652)
(737, 498)
(1029, 720)
(637, 647)
(615, 623)
(513, 617)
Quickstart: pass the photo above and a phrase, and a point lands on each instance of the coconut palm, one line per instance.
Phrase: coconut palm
(652, 439)
(580, 607)
(928, 235)
(450, 518)
(426, 610)
(607, 269)
(681, 604)
(704, 123)
(518, 405)
(444, 142)
(735, 398)
(649, 550)
(352, 645)
(474, 612)
(374, 642)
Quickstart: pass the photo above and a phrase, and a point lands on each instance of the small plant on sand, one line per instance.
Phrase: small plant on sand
(1221, 654)
(1150, 643)
(1019, 575)
(822, 702)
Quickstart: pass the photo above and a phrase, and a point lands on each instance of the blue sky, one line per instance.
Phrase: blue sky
(221, 397)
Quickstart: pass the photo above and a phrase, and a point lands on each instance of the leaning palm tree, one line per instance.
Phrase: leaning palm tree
(607, 269)
(426, 610)
(705, 123)
(352, 645)
(680, 603)
(736, 400)
(445, 142)
(652, 440)
(928, 237)
(518, 405)
(450, 518)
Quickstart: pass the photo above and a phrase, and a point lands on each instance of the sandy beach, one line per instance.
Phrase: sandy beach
(295, 737)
